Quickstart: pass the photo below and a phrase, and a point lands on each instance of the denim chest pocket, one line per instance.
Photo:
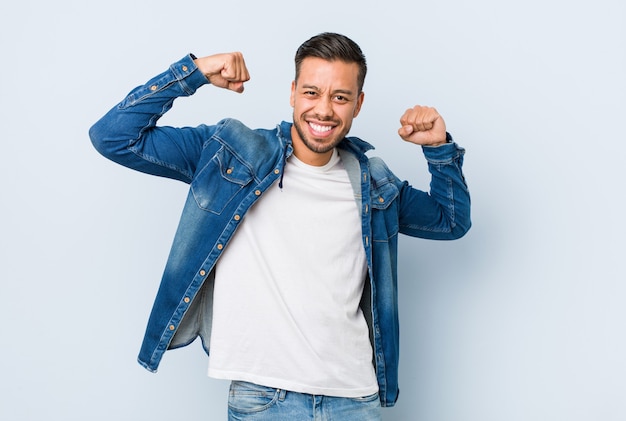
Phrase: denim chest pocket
(219, 181)
(383, 196)
(385, 223)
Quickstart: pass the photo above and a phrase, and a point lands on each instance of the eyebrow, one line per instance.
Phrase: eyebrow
(336, 91)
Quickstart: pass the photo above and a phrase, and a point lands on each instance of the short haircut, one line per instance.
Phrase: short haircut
(331, 46)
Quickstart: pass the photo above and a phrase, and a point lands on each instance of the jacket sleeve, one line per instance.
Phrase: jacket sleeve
(128, 134)
(444, 212)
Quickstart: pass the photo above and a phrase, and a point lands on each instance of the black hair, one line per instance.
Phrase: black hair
(331, 46)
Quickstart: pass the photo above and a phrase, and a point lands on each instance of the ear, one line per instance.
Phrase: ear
(359, 103)
(293, 94)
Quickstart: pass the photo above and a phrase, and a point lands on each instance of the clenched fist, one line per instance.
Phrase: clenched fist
(227, 70)
(423, 126)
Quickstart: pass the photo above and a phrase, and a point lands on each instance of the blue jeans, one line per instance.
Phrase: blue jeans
(251, 402)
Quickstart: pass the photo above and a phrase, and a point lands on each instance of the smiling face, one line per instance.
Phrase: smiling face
(325, 98)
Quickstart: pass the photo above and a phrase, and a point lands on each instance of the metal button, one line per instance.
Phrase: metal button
(257, 192)
(186, 299)
(184, 68)
(220, 246)
(237, 217)
(172, 327)
(202, 272)
(153, 88)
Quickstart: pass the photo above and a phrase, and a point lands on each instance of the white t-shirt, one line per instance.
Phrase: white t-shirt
(287, 290)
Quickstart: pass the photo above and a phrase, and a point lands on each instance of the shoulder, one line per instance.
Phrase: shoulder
(232, 126)
(248, 144)
(379, 170)
(233, 132)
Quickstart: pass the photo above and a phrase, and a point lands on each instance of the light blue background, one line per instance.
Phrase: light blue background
(523, 319)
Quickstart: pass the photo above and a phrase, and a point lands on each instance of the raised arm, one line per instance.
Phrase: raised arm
(444, 212)
(128, 133)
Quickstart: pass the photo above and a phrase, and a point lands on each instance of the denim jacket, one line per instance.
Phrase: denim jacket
(229, 167)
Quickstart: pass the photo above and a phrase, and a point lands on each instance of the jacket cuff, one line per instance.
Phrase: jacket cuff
(442, 153)
(186, 73)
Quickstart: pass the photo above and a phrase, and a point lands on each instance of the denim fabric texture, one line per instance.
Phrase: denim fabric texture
(228, 167)
(251, 402)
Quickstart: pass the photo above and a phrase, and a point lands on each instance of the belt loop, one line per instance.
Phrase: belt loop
(281, 394)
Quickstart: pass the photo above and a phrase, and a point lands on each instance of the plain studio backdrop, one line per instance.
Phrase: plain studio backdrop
(523, 319)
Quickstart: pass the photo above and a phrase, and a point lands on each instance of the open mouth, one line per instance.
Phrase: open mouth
(319, 129)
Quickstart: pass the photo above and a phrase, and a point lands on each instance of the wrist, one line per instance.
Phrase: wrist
(447, 140)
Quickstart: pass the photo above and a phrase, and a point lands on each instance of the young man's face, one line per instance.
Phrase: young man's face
(325, 99)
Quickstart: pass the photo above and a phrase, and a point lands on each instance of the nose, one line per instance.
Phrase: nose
(324, 108)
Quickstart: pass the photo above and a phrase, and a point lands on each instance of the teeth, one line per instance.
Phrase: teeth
(320, 128)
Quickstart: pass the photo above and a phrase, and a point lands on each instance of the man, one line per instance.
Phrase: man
(285, 255)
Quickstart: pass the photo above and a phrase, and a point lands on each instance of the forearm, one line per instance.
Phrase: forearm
(127, 134)
(444, 212)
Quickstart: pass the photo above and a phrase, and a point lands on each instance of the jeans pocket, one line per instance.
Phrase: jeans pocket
(367, 399)
(246, 398)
